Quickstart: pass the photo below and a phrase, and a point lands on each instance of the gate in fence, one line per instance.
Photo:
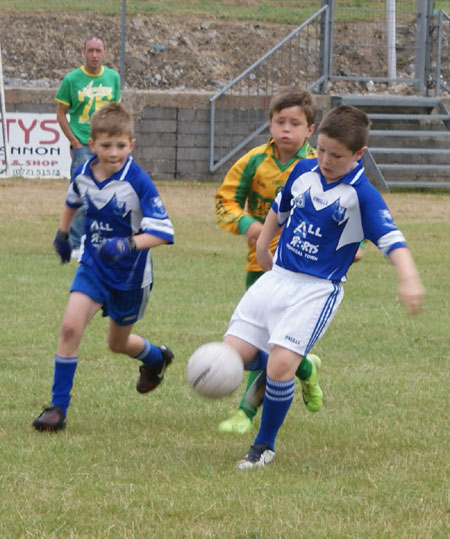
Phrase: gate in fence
(390, 42)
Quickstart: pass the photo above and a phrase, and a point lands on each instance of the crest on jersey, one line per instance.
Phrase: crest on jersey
(339, 213)
(299, 201)
(386, 217)
(120, 208)
(157, 207)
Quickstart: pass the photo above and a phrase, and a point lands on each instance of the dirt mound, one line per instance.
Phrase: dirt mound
(167, 51)
(162, 51)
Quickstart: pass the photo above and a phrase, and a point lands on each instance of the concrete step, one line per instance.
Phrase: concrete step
(411, 151)
(402, 102)
(411, 184)
(407, 133)
(408, 141)
(408, 117)
(416, 168)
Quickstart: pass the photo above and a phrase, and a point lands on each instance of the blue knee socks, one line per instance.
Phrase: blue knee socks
(63, 376)
(277, 400)
(258, 363)
(151, 354)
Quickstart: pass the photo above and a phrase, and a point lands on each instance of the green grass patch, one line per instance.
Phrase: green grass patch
(372, 463)
(285, 11)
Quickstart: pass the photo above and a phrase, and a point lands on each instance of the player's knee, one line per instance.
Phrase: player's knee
(69, 332)
(281, 363)
(116, 346)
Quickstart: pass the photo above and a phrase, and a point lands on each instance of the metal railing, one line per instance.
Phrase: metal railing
(442, 74)
(238, 113)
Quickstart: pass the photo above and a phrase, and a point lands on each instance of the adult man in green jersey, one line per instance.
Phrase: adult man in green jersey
(83, 91)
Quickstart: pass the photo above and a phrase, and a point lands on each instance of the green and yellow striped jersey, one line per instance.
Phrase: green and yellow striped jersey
(249, 188)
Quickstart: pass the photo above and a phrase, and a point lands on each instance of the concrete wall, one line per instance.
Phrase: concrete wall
(171, 128)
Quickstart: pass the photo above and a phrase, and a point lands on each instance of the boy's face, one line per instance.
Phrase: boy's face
(112, 151)
(290, 129)
(335, 159)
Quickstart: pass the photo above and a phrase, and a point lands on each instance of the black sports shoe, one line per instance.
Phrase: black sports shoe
(51, 419)
(151, 376)
(258, 455)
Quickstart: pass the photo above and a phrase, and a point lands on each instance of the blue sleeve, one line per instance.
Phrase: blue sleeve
(378, 224)
(155, 220)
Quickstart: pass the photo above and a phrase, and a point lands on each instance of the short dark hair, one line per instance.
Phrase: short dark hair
(293, 97)
(94, 37)
(112, 119)
(348, 125)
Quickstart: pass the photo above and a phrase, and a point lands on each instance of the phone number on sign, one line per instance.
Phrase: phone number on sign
(23, 172)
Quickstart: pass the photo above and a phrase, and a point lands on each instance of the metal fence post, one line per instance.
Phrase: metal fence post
(326, 24)
(423, 8)
(123, 25)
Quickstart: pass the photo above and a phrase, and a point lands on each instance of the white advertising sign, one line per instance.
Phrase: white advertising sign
(37, 146)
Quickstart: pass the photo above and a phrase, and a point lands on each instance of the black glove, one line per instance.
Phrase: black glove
(62, 246)
(116, 248)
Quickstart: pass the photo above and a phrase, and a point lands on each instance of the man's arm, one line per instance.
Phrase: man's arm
(61, 112)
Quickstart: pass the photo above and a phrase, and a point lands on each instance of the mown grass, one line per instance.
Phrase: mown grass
(373, 463)
(284, 11)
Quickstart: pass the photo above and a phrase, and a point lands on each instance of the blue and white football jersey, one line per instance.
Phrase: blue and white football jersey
(325, 223)
(125, 204)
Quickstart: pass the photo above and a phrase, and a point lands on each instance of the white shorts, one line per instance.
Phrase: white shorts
(292, 310)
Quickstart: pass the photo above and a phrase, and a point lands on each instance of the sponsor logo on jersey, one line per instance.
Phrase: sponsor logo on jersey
(298, 243)
(304, 229)
(101, 226)
(321, 201)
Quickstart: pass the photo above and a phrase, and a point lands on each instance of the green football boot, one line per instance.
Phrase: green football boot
(238, 423)
(311, 392)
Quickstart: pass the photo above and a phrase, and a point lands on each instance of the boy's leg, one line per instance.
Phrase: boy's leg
(155, 359)
(80, 310)
(240, 421)
(277, 401)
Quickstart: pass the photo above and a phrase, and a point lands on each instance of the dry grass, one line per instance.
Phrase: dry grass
(36, 198)
(373, 463)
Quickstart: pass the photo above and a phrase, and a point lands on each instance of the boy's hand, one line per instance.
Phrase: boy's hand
(264, 258)
(116, 248)
(62, 246)
(253, 232)
(411, 294)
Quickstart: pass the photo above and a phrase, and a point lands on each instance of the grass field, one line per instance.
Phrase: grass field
(282, 11)
(373, 463)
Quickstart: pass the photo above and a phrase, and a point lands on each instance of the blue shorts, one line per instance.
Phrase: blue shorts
(125, 307)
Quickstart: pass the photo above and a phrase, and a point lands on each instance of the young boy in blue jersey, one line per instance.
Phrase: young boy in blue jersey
(242, 203)
(326, 208)
(125, 219)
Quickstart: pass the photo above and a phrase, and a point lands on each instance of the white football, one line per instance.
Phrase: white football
(215, 370)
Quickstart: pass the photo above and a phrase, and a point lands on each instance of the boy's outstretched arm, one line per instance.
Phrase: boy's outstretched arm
(410, 290)
(67, 217)
(268, 232)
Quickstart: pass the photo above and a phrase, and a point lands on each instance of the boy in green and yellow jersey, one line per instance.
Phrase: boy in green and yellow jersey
(242, 203)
